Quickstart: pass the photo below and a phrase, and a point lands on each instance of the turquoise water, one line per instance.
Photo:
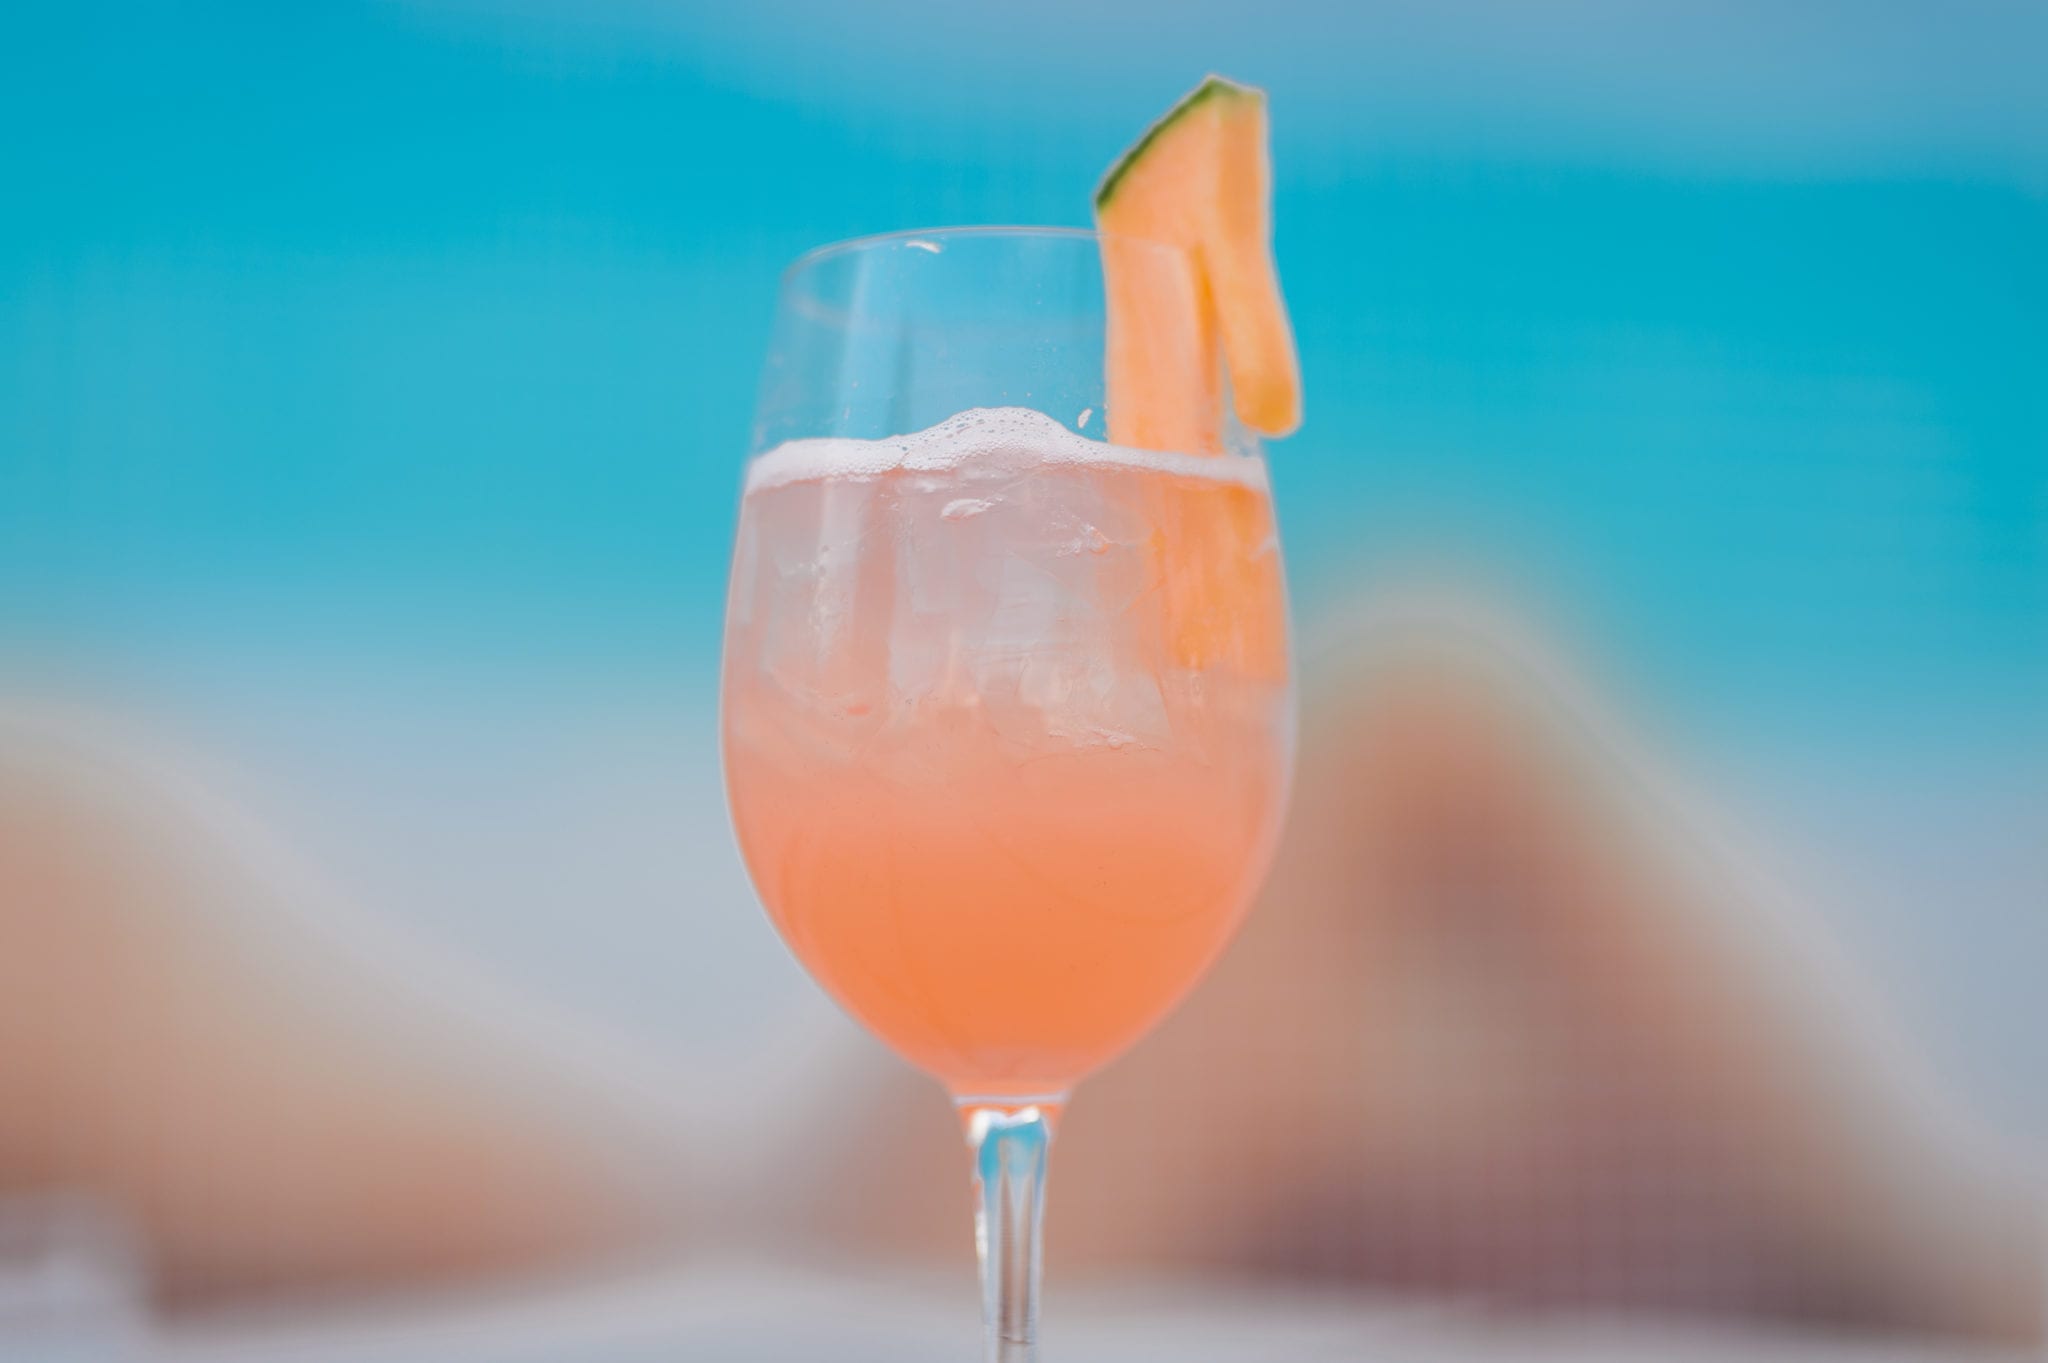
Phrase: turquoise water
(443, 319)
(419, 339)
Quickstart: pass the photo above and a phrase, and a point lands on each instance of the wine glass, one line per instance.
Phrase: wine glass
(1007, 705)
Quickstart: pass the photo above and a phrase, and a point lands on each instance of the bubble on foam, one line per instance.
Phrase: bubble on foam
(982, 433)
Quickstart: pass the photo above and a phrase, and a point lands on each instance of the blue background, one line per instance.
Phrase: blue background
(364, 367)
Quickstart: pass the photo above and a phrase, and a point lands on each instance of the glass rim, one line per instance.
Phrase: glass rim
(832, 250)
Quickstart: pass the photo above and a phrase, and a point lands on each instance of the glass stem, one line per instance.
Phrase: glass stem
(1009, 1143)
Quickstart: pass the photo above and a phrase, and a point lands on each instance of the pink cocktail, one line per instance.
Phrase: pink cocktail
(988, 796)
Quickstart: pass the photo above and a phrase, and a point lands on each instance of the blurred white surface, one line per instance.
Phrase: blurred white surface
(71, 1281)
(745, 1313)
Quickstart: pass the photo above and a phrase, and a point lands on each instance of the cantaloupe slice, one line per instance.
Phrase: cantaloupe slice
(1199, 180)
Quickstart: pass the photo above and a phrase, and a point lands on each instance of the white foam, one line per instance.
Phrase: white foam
(1009, 433)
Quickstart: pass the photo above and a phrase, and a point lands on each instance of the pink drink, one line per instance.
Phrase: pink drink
(1007, 731)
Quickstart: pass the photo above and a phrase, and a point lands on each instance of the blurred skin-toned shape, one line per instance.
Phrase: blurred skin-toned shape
(1514, 1019)
(270, 1110)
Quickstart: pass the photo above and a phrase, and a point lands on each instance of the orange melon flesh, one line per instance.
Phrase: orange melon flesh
(1200, 180)
(1222, 601)
(1163, 381)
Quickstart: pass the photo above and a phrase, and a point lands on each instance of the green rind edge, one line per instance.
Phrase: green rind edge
(1212, 87)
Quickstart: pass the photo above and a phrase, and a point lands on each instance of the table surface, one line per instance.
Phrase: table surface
(751, 1313)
